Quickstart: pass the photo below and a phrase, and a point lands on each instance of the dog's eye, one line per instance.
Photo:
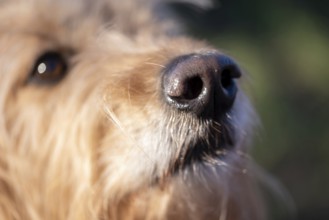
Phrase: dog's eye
(49, 68)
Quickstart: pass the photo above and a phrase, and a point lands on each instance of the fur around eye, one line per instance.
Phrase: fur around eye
(50, 68)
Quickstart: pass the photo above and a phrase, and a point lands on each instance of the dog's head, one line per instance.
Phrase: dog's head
(107, 112)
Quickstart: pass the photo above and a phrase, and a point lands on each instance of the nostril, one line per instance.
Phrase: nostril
(228, 75)
(226, 79)
(192, 88)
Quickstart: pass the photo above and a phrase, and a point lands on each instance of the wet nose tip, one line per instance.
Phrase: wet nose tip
(203, 84)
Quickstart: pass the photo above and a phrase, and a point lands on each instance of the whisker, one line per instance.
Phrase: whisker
(111, 116)
(155, 64)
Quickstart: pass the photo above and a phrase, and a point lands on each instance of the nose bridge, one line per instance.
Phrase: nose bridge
(201, 84)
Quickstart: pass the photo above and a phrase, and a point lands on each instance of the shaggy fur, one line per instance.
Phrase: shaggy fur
(101, 143)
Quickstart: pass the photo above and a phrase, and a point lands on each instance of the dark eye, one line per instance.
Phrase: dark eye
(49, 68)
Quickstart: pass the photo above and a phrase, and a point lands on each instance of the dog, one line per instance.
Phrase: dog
(108, 111)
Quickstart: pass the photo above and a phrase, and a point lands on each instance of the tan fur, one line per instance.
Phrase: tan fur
(98, 145)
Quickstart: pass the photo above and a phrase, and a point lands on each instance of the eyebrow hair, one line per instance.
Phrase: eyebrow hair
(39, 34)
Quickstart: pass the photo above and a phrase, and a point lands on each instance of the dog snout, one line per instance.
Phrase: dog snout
(202, 84)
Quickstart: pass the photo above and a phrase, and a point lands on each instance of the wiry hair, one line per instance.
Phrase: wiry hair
(101, 144)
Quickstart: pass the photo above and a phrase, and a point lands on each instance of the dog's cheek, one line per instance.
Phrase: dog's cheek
(131, 101)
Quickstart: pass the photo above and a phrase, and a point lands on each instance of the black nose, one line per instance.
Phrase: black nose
(203, 84)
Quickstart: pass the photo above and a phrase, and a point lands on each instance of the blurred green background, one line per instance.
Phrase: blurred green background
(284, 48)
